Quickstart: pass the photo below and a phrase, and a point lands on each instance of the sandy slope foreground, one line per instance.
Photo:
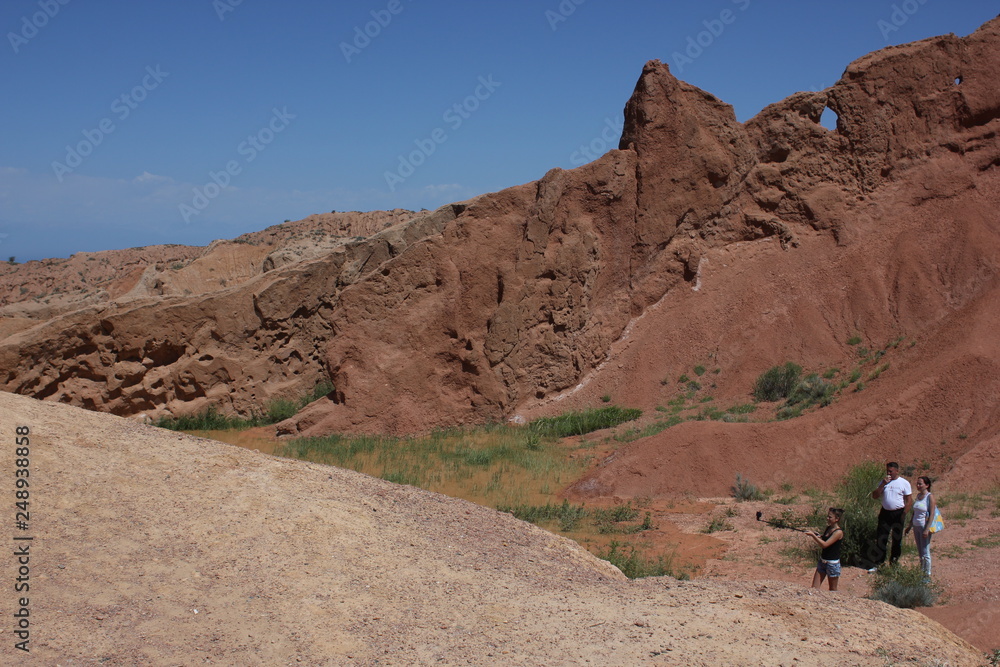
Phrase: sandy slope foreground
(153, 548)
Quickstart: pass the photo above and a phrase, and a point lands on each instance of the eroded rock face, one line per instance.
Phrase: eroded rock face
(484, 308)
(218, 326)
(523, 294)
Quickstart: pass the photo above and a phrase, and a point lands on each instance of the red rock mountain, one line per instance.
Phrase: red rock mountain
(701, 240)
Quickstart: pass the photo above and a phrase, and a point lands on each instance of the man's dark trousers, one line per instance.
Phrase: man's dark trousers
(890, 524)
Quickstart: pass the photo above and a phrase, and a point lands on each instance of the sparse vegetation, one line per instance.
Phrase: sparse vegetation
(614, 520)
(634, 564)
(716, 524)
(904, 586)
(567, 515)
(277, 410)
(777, 382)
(208, 420)
(699, 370)
(652, 429)
(854, 340)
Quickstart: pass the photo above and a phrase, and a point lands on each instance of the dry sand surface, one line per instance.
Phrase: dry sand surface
(154, 548)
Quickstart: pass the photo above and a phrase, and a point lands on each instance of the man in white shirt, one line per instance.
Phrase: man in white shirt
(896, 497)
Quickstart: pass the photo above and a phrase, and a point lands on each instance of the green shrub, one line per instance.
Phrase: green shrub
(699, 370)
(811, 390)
(854, 340)
(904, 586)
(777, 382)
(743, 490)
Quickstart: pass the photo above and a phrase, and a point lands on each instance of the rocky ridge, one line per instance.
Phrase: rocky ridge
(505, 305)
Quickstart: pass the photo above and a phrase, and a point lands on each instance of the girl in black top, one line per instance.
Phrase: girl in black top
(829, 560)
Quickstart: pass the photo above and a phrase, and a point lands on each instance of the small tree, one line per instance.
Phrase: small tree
(12, 260)
(860, 521)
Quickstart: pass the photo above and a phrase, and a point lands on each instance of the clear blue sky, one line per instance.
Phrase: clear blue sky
(117, 113)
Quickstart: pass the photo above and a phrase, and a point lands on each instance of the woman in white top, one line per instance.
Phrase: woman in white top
(923, 515)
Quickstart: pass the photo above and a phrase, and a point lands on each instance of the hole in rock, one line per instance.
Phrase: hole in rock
(958, 80)
(829, 119)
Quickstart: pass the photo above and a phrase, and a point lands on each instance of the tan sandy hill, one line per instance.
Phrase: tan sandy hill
(154, 548)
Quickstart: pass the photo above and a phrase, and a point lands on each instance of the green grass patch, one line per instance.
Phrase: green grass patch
(209, 419)
(987, 542)
(587, 421)
(495, 464)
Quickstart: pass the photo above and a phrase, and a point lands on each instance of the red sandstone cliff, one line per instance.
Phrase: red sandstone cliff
(754, 243)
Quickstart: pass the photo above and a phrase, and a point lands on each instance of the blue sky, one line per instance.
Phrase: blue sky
(130, 123)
